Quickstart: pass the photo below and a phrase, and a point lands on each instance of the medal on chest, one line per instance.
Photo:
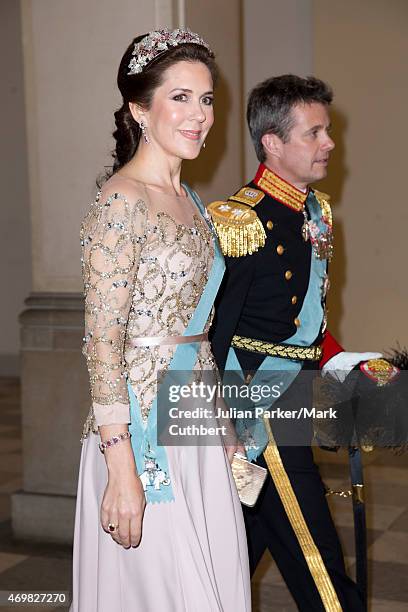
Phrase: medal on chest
(320, 236)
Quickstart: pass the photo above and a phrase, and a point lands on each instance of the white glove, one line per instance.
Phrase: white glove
(341, 364)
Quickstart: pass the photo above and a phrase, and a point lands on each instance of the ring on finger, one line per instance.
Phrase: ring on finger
(112, 527)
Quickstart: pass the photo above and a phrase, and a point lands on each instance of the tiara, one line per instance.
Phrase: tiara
(159, 41)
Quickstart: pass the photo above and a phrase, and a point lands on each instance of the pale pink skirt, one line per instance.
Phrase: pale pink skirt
(193, 553)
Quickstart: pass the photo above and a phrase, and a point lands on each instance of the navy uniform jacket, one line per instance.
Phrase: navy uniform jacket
(262, 293)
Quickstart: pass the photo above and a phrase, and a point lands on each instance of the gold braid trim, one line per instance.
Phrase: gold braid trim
(286, 351)
(238, 227)
(294, 513)
(282, 190)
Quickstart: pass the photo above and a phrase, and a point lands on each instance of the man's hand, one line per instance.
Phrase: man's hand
(341, 364)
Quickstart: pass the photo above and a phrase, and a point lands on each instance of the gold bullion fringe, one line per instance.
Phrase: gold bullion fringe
(240, 240)
(294, 513)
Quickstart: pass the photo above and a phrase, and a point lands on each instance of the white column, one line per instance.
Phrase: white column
(72, 51)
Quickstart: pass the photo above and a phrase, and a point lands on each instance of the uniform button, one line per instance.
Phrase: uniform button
(294, 299)
(280, 249)
(296, 322)
(288, 274)
(269, 224)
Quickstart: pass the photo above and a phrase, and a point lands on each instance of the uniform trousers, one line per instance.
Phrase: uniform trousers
(268, 526)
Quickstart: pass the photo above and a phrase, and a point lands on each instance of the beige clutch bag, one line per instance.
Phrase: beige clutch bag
(249, 479)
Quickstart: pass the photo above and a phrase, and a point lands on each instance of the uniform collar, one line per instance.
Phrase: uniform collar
(280, 189)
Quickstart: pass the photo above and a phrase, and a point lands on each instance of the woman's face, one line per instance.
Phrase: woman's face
(181, 113)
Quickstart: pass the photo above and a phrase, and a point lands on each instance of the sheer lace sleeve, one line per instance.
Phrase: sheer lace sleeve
(112, 235)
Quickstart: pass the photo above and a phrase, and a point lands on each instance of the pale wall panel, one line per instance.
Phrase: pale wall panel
(361, 49)
(219, 168)
(15, 249)
(277, 39)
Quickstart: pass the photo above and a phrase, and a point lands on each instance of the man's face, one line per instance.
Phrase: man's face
(304, 158)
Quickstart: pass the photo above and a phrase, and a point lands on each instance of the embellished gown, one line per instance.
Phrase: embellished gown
(146, 260)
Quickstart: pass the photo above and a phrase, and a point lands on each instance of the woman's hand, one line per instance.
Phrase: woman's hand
(232, 443)
(124, 500)
(231, 450)
(123, 505)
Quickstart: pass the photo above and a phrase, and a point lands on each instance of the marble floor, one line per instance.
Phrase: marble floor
(28, 566)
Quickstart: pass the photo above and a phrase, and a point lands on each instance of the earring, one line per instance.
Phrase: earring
(204, 145)
(144, 132)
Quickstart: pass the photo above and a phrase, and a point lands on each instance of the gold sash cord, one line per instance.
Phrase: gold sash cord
(294, 513)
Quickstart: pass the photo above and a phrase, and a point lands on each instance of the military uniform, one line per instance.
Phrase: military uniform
(272, 242)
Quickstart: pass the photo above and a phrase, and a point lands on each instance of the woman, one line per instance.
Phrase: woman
(151, 270)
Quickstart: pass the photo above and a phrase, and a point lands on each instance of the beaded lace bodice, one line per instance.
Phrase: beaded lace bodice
(145, 263)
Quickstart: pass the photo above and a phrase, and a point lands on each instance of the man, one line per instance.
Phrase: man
(276, 234)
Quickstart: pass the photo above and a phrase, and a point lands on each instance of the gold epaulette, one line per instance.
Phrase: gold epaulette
(324, 201)
(238, 227)
(249, 196)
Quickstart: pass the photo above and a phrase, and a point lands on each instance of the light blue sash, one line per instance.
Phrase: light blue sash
(275, 370)
(144, 435)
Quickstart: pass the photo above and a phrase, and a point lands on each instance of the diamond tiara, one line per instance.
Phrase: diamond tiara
(158, 42)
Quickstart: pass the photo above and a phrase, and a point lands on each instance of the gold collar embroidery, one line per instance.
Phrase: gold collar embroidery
(280, 189)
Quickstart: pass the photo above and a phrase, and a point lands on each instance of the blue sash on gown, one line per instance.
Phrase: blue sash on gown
(144, 434)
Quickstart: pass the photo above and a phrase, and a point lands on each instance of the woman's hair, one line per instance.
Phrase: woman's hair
(140, 88)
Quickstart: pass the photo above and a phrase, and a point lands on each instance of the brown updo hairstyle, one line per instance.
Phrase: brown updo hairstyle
(140, 88)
